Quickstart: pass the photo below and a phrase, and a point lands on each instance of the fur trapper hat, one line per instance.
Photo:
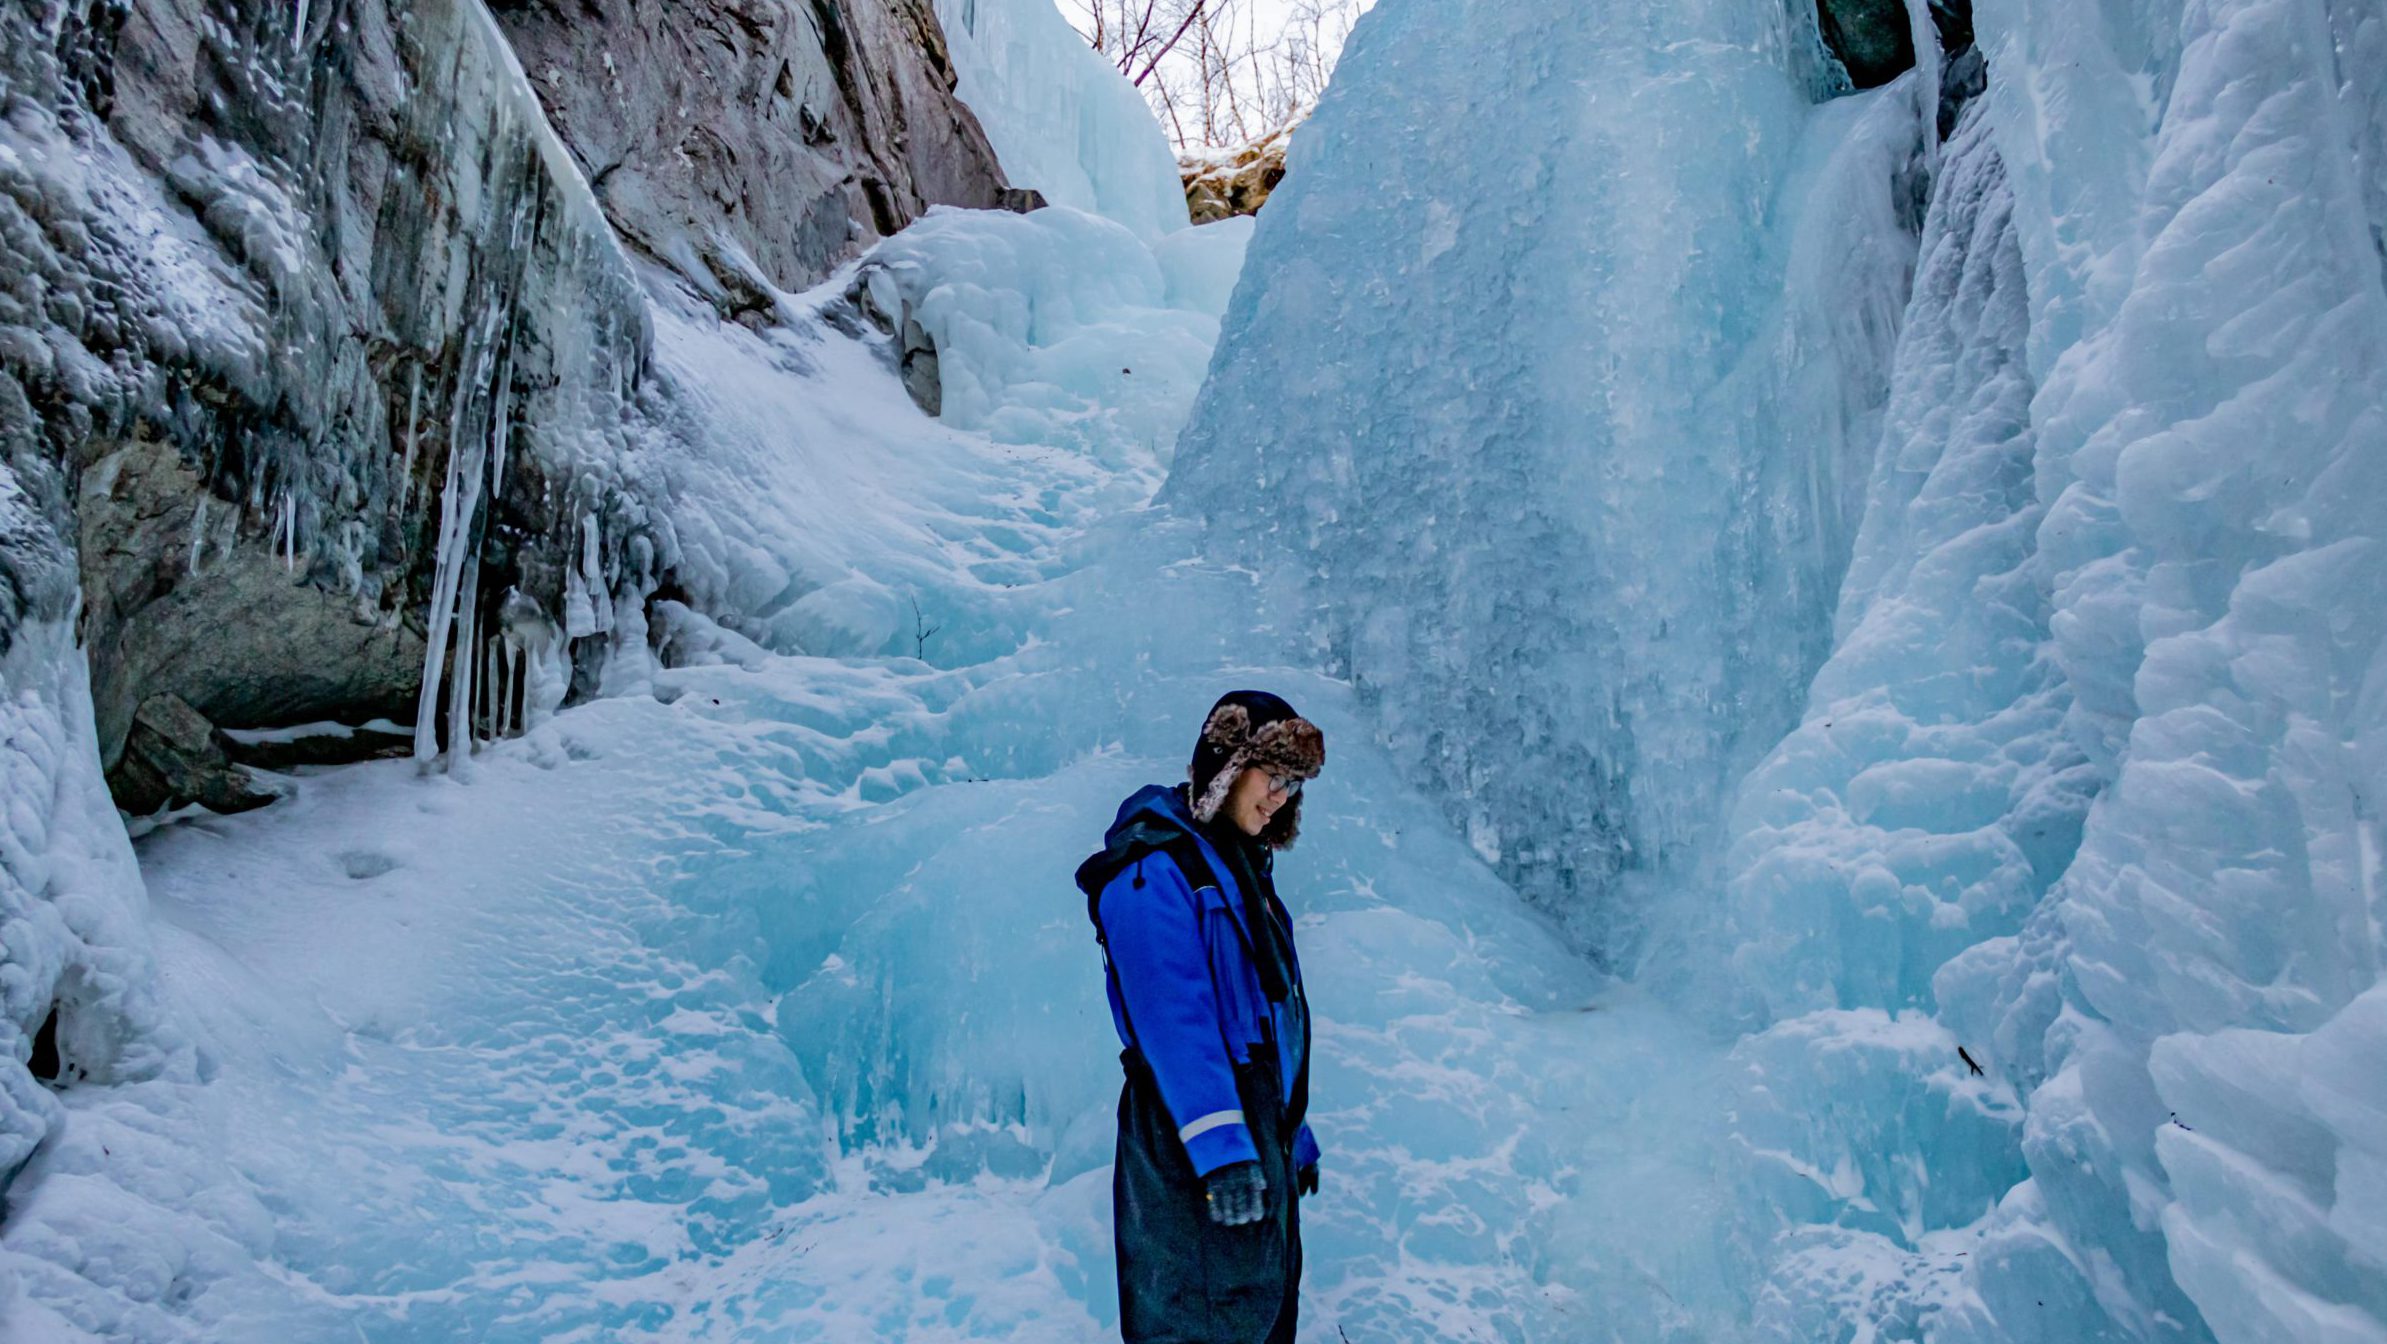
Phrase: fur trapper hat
(1253, 730)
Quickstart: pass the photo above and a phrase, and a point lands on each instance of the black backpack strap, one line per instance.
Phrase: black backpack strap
(1130, 847)
(1096, 873)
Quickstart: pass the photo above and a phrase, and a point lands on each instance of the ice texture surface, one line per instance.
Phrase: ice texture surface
(2048, 902)
(1564, 425)
(1062, 119)
(753, 1000)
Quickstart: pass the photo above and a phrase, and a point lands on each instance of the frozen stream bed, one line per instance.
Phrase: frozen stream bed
(756, 1002)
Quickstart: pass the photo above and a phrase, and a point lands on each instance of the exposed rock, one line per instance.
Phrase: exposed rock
(752, 143)
(1966, 78)
(1874, 39)
(320, 360)
(1236, 181)
(318, 745)
(874, 298)
(177, 601)
(173, 756)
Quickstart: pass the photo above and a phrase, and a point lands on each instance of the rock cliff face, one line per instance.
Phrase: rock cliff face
(746, 140)
(321, 358)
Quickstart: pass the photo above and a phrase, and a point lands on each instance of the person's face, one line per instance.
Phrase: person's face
(1254, 800)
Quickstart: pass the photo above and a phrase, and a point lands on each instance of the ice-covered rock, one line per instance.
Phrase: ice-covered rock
(308, 297)
(325, 319)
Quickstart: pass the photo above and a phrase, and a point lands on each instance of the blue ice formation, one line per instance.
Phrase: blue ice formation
(2004, 749)
(1560, 385)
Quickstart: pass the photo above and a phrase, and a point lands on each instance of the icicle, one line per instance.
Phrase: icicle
(298, 27)
(458, 503)
(489, 725)
(198, 533)
(460, 681)
(443, 607)
(592, 577)
(414, 399)
(501, 431)
(1930, 69)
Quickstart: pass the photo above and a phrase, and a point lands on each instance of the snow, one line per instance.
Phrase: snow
(118, 1201)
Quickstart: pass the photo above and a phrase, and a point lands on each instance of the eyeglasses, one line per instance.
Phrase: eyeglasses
(1284, 785)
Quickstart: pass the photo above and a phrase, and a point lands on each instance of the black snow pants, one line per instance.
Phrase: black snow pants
(1184, 1279)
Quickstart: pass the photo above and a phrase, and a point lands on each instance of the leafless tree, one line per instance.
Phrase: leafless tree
(1222, 72)
(922, 631)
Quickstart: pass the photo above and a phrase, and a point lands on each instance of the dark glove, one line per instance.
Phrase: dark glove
(1306, 1179)
(1236, 1194)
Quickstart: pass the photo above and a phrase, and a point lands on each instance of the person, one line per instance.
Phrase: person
(1215, 1149)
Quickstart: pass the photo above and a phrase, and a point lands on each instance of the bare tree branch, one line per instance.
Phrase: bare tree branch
(1221, 71)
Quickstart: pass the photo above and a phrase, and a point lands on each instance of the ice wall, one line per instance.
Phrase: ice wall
(2211, 328)
(2041, 742)
(1063, 120)
(2145, 593)
(1553, 381)
(1925, 804)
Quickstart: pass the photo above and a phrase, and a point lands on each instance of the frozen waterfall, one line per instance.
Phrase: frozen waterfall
(1848, 626)
(2031, 588)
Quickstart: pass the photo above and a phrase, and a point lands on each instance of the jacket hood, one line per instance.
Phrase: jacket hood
(1153, 817)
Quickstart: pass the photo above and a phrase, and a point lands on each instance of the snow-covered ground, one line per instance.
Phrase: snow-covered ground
(758, 1003)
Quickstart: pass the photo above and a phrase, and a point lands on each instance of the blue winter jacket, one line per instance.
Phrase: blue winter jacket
(1184, 990)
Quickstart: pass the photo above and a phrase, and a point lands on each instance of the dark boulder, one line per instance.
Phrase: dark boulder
(1874, 39)
(173, 756)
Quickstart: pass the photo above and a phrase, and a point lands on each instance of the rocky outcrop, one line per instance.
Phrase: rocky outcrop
(1236, 181)
(753, 143)
(321, 363)
(328, 322)
(1874, 40)
(173, 755)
